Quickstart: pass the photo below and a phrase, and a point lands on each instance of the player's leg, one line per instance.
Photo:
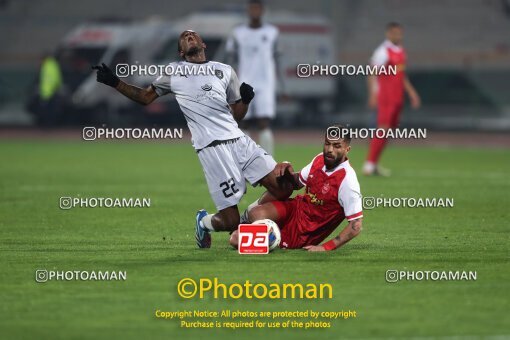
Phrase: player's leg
(270, 210)
(258, 168)
(262, 112)
(391, 123)
(376, 146)
(277, 188)
(226, 219)
(395, 119)
(266, 138)
(264, 198)
(226, 185)
(276, 192)
(265, 113)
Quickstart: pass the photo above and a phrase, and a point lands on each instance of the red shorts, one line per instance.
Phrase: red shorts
(285, 211)
(298, 229)
(288, 223)
(388, 114)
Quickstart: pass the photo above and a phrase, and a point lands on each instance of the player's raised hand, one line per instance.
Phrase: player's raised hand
(282, 169)
(105, 75)
(247, 93)
(314, 248)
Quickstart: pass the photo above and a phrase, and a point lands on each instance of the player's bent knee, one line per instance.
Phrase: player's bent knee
(256, 213)
(234, 239)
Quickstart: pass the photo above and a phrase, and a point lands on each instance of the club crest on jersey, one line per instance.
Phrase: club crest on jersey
(219, 74)
(314, 199)
(206, 87)
(325, 188)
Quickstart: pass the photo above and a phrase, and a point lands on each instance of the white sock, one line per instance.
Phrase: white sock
(207, 222)
(244, 216)
(369, 166)
(266, 140)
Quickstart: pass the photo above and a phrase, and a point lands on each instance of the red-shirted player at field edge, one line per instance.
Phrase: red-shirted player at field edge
(386, 93)
(332, 194)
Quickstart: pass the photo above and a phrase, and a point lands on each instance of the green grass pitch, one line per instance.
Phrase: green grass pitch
(156, 245)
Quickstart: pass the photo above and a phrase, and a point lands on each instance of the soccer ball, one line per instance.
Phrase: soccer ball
(275, 236)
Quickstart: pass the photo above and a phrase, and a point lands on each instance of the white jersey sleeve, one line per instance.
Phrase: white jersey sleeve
(303, 174)
(162, 85)
(203, 96)
(233, 94)
(380, 56)
(349, 196)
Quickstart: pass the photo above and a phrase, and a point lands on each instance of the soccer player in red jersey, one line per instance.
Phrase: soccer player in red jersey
(386, 93)
(332, 194)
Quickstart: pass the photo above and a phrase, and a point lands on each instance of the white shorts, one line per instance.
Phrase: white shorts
(263, 104)
(229, 164)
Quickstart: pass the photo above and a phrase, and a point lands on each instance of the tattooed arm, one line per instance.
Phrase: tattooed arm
(143, 96)
(350, 231)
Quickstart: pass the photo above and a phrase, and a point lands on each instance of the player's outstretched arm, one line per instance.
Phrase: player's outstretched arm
(140, 95)
(350, 231)
(143, 96)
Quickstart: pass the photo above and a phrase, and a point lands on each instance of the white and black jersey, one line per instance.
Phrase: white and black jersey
(204, 98)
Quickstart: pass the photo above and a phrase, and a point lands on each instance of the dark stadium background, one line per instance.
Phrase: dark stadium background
(458, 53)
(458, 60)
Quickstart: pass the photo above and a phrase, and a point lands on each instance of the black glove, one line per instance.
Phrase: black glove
(247, 93)
(106, 76)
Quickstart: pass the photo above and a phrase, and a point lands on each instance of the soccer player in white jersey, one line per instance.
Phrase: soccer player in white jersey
(254, 48)
(213, 103)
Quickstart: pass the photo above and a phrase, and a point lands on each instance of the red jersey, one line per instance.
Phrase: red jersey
(390, 86)
(330, 196)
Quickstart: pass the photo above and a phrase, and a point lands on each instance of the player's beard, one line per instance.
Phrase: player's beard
(194, 51)
(332, 163)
